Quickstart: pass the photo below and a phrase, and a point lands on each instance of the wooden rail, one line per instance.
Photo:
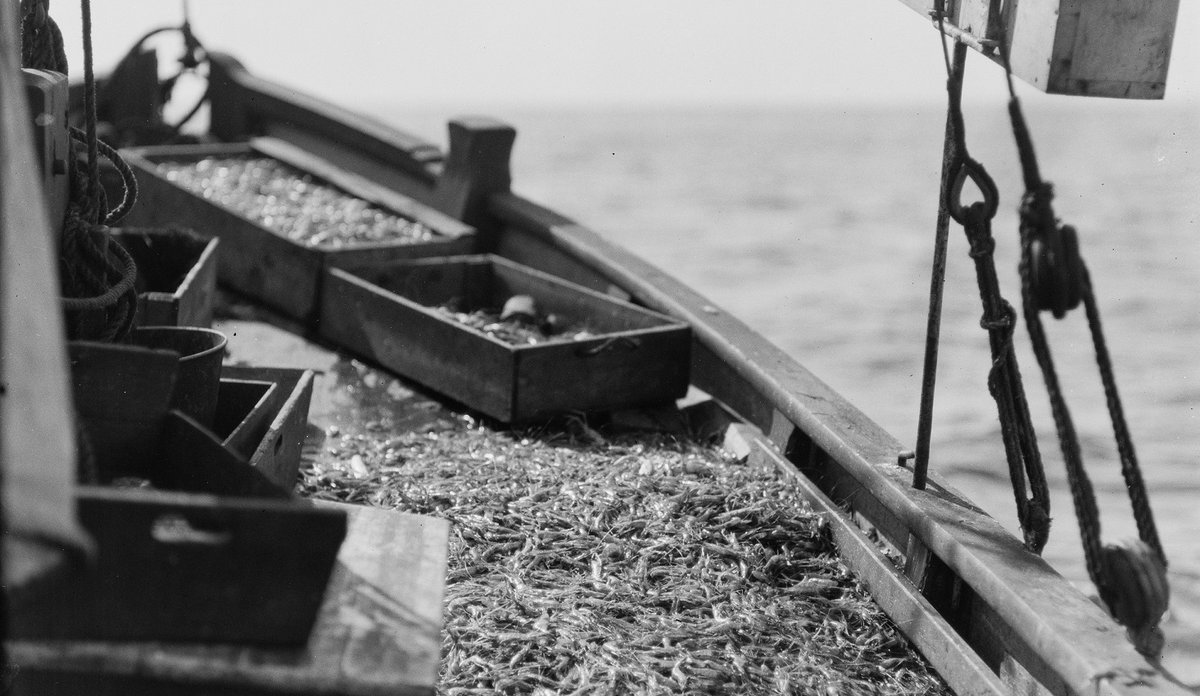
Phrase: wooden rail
(244, 105)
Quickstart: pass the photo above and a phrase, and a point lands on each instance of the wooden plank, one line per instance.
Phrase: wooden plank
(1059, 634)
(1104, 48)
(37, 432)
(377, 633)
(244, 105)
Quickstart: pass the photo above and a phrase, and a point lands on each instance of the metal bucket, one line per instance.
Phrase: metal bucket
(200, 354)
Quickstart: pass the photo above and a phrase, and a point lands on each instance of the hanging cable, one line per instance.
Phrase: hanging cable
(1026, 473)
(1130, 575)
(951, 151)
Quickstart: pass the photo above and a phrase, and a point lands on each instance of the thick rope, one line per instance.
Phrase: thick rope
(97, 274)
(1006, 387)
(1131, 577)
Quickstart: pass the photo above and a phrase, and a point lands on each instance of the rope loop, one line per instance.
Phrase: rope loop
(968, 168)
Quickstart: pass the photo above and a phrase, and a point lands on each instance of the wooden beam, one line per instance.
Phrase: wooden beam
(1101, 48)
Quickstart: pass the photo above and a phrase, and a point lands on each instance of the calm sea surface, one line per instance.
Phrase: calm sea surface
(815, 226)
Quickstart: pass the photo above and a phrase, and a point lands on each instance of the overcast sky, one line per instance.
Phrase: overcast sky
(480, 53)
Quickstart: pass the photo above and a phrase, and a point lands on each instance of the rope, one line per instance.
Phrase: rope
(1130, 576)
(1026, 473)
(953, 146)
(97, 274)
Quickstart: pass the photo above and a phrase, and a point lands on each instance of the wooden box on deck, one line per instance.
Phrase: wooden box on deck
(215, 549)
(271, 434)
(266, 265)
(177, 275)
(378, 630)
(189, 566)
(1103, 48)
(389, 313)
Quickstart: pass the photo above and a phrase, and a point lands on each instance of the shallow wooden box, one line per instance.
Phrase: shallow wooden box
(389, 313)
(264, 264)
(214, 550)
(378, 632)
(262, 413)
(177, 275)
(189, 566)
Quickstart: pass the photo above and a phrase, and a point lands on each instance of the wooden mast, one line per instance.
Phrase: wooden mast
(1101, 48)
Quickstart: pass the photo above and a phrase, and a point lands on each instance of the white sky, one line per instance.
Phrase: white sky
(480, 53)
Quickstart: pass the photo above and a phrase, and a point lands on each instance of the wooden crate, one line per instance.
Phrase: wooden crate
(243, 413)
(388, 313)
(261, 263)
(378, 632)
(214, 548)
(173, 566)
(177, 275)
(271, 435)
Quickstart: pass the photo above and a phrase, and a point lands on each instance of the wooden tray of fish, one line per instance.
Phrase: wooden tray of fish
(284, 216)
(441, 322)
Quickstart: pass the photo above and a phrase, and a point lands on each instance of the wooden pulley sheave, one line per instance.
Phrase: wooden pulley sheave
(1129, 575)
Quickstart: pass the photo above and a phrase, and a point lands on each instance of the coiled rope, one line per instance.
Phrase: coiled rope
(97, 274)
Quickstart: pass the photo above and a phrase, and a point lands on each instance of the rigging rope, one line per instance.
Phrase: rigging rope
(999, 318)
(1130, 575)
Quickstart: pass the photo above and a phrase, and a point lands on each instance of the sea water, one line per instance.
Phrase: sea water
(816, 226)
